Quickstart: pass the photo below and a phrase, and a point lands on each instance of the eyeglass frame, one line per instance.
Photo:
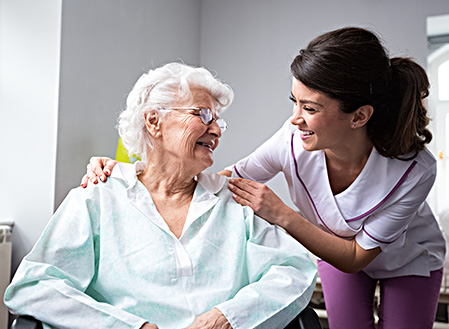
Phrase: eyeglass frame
(220, 122)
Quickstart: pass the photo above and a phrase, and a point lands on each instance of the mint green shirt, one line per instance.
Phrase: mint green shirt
(107, 259)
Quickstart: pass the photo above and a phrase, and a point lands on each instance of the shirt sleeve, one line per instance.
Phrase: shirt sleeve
(386, 229)
(282, 279)
(267, 160)
(51, 281)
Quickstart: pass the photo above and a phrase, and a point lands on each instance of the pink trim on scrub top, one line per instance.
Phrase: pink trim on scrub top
(237, 172)
(307, 191)
(358, 217)
(388, 195)
(380, 241)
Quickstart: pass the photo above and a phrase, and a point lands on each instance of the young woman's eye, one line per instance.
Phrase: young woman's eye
(292, 99)
(308, 109)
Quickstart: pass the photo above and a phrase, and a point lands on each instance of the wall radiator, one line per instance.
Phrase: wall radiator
(5, 270)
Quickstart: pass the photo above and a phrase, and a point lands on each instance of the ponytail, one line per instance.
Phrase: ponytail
(401, 131)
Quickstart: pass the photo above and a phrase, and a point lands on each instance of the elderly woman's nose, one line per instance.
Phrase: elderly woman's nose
(214, 129)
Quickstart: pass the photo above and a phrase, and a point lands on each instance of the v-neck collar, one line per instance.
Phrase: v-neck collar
(378, 180)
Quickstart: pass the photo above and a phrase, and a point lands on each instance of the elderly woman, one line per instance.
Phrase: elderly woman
(163, 245)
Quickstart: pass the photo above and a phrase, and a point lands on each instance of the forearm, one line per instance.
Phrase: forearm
(281, 275)
(343, 254)
(47, 299)
(346, 255)
(271, 302)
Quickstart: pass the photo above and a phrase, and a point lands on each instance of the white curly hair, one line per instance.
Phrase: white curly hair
(159, 88)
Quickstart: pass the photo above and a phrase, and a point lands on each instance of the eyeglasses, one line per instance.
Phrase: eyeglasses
(204, 113)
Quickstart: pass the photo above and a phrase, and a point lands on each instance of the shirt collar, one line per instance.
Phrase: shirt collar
(204, 198)
(128, 172)
(211, 182)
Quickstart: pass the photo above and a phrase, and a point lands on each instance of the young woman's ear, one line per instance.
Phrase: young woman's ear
(152, 122)
(361, 116)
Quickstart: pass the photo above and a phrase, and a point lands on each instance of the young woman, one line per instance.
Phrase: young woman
(354, 156)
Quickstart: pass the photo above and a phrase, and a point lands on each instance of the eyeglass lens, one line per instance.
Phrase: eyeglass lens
(205, 115)
(207, 118)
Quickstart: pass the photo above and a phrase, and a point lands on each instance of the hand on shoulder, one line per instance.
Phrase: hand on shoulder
(98, 168)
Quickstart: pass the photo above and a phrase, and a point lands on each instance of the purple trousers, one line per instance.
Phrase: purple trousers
(405, 302)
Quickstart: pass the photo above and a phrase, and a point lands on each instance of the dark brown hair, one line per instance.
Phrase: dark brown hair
(351, 66)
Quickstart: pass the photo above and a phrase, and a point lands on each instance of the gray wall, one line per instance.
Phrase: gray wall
(106, 46)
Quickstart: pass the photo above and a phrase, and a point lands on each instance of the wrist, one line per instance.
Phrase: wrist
(287, 218)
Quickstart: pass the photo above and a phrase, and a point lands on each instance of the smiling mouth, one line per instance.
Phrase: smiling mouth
(209, 145)
(307, 133)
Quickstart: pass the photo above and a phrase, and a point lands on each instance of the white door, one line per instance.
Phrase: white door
(439, 112)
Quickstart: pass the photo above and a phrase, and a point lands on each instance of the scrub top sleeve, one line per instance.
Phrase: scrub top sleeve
(386, 229)
(52, 278)
(267, 160)
(282, 279)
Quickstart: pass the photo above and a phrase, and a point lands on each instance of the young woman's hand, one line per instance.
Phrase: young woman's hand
(260, 198)
(98, 168)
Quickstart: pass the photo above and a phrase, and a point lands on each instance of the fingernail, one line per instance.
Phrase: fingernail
(107, 172)
(103, 178)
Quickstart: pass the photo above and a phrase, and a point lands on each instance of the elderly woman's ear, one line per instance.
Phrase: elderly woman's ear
(152, 122)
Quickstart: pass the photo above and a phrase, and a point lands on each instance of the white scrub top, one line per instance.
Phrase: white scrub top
(384, 207)
(107, 259)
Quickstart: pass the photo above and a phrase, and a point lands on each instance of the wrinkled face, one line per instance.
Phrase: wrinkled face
(322, 125)
(185, 137)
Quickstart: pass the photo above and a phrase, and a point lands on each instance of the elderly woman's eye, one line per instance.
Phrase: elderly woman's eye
(196, 112)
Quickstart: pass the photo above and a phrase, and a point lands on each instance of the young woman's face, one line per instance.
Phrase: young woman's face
(321, 123)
